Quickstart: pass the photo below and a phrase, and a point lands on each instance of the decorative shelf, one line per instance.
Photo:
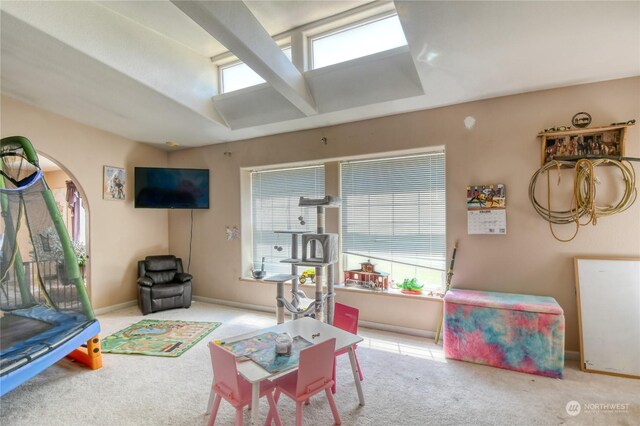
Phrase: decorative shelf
(575, 144)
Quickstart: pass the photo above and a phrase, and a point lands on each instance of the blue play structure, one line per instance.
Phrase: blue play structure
(45, 310)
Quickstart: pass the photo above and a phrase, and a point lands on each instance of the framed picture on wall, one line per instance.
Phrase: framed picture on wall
(113, 183)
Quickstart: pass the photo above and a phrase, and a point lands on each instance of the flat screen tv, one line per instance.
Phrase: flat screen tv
(164, 188)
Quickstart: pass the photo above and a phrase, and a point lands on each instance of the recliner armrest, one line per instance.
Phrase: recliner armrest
(145, 281)
(182, 277)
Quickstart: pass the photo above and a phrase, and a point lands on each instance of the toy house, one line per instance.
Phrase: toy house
(367, 277)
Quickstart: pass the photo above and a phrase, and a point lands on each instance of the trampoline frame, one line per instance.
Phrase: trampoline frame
(71, 347)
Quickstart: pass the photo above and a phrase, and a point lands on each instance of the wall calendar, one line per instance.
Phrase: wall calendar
(487, 214)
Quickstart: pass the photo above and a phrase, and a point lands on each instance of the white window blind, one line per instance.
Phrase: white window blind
(274, 201)
(393, 210)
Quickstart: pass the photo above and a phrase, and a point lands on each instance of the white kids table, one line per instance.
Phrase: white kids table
(310, 329)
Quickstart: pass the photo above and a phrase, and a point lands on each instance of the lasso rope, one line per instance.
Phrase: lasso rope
(583, 202)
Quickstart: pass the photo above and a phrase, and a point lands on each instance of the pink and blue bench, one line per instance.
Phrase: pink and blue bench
(513, 331)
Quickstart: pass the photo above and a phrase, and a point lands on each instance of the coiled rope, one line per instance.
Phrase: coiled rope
(583, 202)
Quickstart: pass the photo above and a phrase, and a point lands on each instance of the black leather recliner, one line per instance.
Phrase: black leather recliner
(162, 284)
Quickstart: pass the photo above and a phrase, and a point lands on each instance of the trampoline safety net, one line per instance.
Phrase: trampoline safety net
(42, 293)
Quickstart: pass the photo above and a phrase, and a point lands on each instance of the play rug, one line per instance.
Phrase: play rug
(158, 337)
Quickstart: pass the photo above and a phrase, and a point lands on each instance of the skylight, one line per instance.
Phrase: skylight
(357, 41)
(238, 75)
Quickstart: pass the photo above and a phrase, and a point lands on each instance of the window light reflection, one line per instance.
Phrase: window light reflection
(238, 76)
(355, 42)
(415, 347)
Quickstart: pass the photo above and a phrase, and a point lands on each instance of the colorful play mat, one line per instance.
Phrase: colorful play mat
(158, 337)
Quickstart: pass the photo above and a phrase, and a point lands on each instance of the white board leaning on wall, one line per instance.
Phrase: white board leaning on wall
(608, 293)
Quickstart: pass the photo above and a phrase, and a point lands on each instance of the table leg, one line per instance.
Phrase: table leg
(212, 395)
(356, 376)
(255, 403)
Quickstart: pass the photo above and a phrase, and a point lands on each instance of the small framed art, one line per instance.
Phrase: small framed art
(113, 183)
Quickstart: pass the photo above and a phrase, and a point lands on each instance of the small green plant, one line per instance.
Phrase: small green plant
(80, 251)
(410, 284)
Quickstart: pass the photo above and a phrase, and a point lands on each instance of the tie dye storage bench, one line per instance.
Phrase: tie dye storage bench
(513, 331)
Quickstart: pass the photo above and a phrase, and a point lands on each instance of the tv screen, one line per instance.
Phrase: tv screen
(164, 188)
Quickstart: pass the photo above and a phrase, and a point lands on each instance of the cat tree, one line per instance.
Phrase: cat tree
(320, 251)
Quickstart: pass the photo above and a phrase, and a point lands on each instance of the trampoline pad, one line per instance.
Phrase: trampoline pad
(14, 329)
(58, 327)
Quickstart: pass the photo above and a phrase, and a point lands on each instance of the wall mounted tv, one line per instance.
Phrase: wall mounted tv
(164, 188)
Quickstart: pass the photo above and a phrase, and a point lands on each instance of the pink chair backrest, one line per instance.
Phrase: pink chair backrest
(316, 366)
(346, 318)
(225, 372)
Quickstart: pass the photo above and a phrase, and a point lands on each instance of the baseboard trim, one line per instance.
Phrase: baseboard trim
(240, 305)
(398, 329)
(366, 324)
(107, 309)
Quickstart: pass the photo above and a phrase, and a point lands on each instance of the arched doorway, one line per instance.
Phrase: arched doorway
(73, 208)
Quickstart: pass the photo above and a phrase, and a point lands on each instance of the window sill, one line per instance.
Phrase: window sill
(341, 287)
(288, 283)
(391, 292)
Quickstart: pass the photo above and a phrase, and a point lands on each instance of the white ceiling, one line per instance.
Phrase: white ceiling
(142, 69)
(276, 17)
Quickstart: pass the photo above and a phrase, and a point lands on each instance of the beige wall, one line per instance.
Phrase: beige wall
(502, 147)
(118, 233)
(56, 179)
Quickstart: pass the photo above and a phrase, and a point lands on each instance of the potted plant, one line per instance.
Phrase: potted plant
(410, 286)
(81, 255)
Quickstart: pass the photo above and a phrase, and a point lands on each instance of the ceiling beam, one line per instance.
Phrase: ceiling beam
(417, 47)
(233, 25)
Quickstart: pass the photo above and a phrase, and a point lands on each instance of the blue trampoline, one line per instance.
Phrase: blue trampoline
(45, 311)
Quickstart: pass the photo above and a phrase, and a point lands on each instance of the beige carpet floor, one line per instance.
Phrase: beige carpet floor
(407, 382)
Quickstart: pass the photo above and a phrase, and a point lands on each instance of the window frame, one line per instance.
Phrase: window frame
(394, 156)
(312, 36)
(221, 77)
(228, 60)
(333, 185)
(283, 239)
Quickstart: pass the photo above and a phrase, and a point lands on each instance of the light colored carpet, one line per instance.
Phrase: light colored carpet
(407, 382)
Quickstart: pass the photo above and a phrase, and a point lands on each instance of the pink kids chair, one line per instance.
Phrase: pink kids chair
(234, 388)
(345, 318)
(312, 377)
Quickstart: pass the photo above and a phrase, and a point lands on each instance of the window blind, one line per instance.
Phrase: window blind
(274, 202)
(394, 209)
